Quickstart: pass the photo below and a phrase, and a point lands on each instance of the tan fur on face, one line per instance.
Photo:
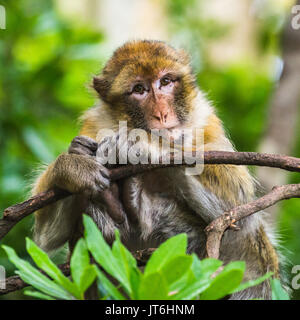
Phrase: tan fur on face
(143, 50)
(141, 58)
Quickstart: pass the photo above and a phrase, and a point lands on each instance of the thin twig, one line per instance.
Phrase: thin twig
(216, 228)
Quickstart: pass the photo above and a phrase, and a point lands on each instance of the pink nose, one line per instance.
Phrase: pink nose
(161, 116)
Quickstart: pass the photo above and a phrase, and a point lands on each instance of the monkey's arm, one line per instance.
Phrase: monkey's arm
(217, 189)
(79, 174)
(220, 187)
(54, 223)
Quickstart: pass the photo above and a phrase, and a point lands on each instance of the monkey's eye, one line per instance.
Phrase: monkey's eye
(138, 88)
(165, 81)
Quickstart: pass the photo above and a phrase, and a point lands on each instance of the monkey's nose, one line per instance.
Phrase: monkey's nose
(161, 116)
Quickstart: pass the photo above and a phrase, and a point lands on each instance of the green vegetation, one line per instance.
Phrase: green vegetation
(46, 65)
(170, 273)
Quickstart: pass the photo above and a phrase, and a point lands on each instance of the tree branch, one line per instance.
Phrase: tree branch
(15, 213)
(216, 228)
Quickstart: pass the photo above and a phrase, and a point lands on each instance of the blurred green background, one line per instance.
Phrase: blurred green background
(50, 50)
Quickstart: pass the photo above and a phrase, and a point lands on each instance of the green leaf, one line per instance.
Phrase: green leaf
(206, 267)
(225, 282)
(176, 268)
(103, 254)
(252, 283)
(171, 248)
(83, 273)
(35, 278)
(197, 279)
(190, 291)
(88, 275)
(128, 263)
(187, 279)
(153, 287)
(43, 261)
(278, 293)
(79, 261)
(111, 289)
(37, 294)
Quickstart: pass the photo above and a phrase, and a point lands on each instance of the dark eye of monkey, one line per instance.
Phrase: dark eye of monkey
(138, 88)
(165, 81)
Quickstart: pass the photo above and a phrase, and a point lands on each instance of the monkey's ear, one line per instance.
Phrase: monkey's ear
(102, 86)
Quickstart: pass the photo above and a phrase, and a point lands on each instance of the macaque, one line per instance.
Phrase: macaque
(150, 85)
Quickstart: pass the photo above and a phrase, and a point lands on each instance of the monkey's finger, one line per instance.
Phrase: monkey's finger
(105, 173)
(78, 149)
(130, 214)
(104, 140)
(113, 205)
(108, 141)
(86, 142)
(101, 183)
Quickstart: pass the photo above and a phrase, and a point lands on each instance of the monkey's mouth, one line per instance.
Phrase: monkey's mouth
(173, 134)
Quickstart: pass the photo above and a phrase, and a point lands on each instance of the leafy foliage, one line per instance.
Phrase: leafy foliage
(46, 63)
(170, 273)
(278, 293)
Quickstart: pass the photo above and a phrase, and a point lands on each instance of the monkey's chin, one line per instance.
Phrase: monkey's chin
(173, 134)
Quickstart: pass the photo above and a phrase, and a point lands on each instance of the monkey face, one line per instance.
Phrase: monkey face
(154, 96)
(149, 84)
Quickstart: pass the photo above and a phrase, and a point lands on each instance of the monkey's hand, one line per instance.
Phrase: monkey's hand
(78, 173)
(83, 145)
(86, 146)
(118, 149)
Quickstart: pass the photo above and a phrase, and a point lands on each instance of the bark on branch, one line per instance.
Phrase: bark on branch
(15, 213)
(216, 228)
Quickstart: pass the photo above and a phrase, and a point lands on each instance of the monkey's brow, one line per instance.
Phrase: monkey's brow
(170, 73)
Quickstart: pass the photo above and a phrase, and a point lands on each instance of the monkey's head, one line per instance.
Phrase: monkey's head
(149, 84)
